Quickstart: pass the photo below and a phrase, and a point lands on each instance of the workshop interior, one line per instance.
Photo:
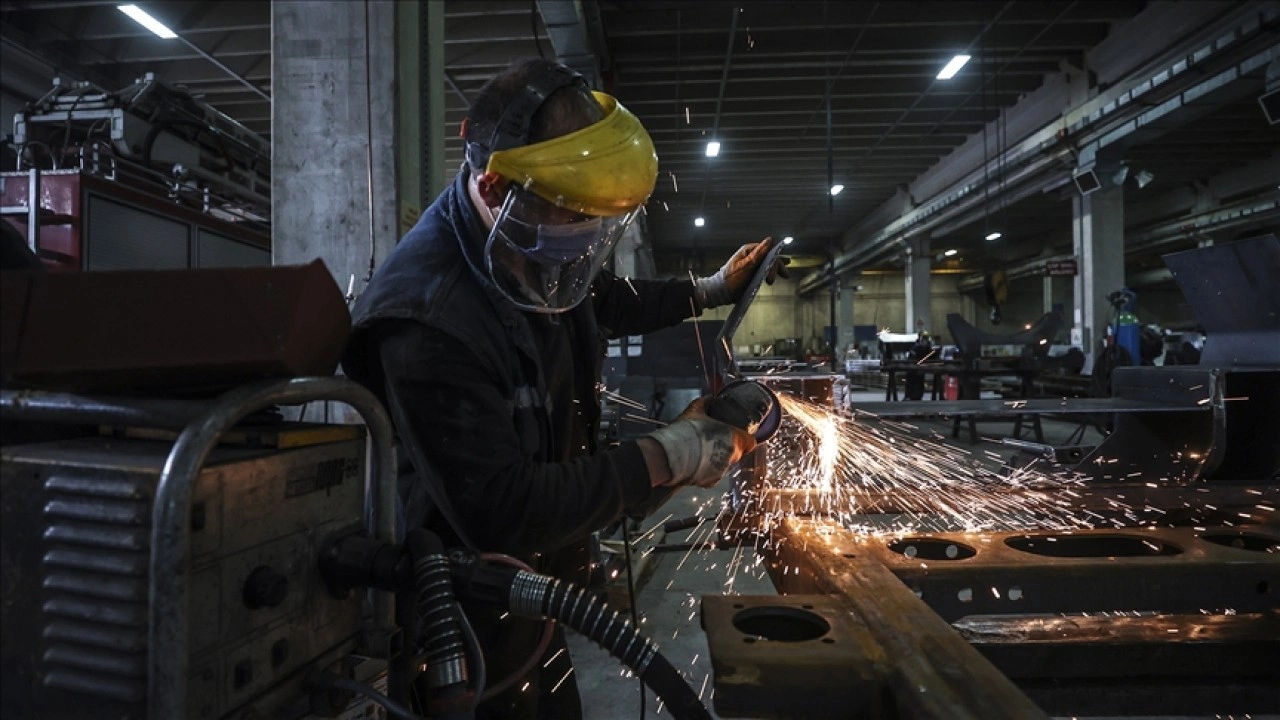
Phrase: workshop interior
(1015, 406)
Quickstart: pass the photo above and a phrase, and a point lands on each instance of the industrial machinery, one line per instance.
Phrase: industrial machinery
(192, 184)
(1153, 590)
(172, 547)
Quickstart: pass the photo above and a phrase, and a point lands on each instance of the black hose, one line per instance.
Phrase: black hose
(440, 626)
(535, 595)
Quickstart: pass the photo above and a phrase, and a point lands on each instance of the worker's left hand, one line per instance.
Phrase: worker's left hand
(728, 284)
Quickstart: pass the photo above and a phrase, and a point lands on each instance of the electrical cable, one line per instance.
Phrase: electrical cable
(368, 127)
(631, 597)
(394, 709)
(533, 27)
(477, 655)
(986, 159)
(544, 642)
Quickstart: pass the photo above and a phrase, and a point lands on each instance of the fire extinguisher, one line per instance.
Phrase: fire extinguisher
(1127, 330)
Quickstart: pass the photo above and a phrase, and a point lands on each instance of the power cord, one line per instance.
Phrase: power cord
(631, 598)
(394, 709)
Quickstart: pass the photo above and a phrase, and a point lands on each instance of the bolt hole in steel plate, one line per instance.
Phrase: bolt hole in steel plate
(780, 624)
(1244, 541)
(932, 549)
(1092, 546)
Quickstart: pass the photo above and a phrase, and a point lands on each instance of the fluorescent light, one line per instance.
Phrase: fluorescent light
(141, 17)
(995, 236)
(713, 148)
(835, 189)
(951, 252)
(953, 67)
(788, 240)
(699, 222)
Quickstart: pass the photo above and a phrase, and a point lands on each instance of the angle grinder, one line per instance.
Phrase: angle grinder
(747, 405)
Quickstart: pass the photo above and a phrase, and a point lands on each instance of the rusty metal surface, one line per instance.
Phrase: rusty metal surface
(1166, 620)
(1237, 646)
(1165, 570)
(198, 330)
(808, 651)
(931, 672)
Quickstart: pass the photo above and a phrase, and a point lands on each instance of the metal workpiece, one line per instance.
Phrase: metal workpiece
(1064, 615)
(1212, 438)
(789, 656)
(726, 363)
(1160, 570)
(928, 670)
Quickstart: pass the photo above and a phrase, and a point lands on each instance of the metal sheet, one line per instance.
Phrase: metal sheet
(726, 364)
(1012, 408)
(1243, 325)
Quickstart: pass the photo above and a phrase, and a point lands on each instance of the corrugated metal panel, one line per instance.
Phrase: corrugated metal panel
(214, 250)
(121, 237)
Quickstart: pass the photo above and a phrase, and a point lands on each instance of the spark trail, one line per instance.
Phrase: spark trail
(847, 467)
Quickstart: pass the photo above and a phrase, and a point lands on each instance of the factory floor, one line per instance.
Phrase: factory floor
(668, 600)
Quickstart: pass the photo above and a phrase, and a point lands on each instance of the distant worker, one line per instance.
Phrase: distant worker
(484, 334)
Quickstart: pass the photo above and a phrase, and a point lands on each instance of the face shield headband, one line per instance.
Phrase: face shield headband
(543, 258)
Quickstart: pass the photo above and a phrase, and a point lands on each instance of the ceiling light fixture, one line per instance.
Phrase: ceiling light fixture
(699, 222)
(713, 148)
(141, 17)
(835, 189)
(951, 252)
(1143, 178)
(995, 236)
(953, 67)
(788, 240)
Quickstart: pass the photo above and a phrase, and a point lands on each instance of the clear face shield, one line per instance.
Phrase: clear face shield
(543, 257)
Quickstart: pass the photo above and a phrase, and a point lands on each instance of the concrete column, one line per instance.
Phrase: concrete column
(438, 174)
(333, 135)
(844, 316)
(917, 279)
(420, 128)
(624, 256)
(1098, 235)
(1048, 293)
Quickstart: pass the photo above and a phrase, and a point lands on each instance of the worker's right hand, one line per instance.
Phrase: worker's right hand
(700, 449)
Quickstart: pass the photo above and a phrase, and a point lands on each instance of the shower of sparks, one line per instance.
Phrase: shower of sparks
(828, 437)
(850, 468)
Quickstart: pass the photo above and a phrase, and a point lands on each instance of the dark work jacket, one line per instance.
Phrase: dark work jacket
(460, 370)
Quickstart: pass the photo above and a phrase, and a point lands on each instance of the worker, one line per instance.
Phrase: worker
(484, 333)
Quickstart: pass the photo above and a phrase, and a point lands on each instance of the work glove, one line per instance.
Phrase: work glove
(728, 284)
(699, 448)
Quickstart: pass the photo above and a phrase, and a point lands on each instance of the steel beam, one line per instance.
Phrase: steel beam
(1100, 122)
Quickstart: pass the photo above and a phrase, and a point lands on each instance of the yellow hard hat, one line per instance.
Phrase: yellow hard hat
(606, 169)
